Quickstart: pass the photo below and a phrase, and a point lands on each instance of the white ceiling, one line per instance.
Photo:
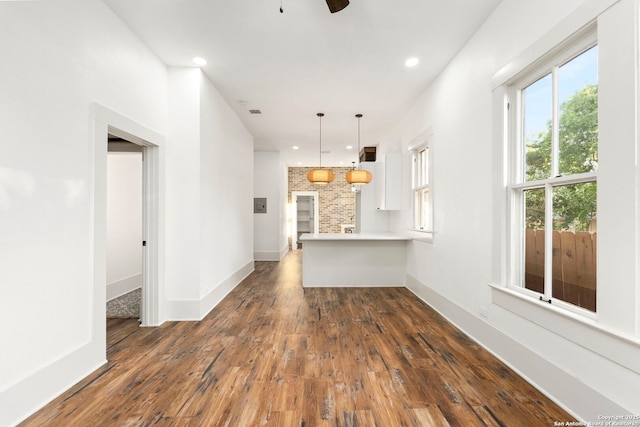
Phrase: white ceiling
(306, 60)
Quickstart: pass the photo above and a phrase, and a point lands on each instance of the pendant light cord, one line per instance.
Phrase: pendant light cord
(359, 116)
(320, 115)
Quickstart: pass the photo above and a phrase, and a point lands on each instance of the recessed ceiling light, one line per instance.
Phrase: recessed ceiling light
(411, 62)
(199, 61)
(295, 147)
(299, 163)
(349, 147)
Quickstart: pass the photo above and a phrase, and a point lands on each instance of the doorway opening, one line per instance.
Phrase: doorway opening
(107, 123)
(305, 216)
(124, 229)
(150, 238)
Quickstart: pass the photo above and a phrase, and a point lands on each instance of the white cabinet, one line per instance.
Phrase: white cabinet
(368, 218)
(388, 182)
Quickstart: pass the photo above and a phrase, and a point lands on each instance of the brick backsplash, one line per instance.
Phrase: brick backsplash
(337, 201)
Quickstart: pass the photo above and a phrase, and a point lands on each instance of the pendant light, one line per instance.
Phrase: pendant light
(320, 176)
(358, 176)
(354, 188)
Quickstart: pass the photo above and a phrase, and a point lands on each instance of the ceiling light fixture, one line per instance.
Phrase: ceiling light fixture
(411, 62)
(320, 176)
(295, 147)
(358, 176)
(199, 61)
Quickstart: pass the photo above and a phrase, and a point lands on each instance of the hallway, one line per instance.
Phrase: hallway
(273, 353)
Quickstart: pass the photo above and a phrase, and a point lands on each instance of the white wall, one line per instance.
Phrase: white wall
(589, 367)
(58, 58)
(270, 238)
(61, 60)
(226, 188)
(124, 223)
(183, 186)
(284, 211)
(209, 197)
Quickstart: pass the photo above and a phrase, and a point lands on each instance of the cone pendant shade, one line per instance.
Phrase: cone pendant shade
(320, 176)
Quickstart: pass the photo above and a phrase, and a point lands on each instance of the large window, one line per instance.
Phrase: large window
(422, 199)
(553, 186)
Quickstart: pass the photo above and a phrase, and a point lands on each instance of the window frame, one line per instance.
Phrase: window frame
(422, 143)
(516, 183)
(612, 332)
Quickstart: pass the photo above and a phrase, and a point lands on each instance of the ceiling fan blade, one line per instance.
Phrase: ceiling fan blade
(337, 5)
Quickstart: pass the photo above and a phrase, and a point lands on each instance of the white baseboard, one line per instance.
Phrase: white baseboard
(197, 309)
(271, 255)
(182, 310)
(124, 286)
(560, 386)
(266, 256)
(20, 400)
(284, 250)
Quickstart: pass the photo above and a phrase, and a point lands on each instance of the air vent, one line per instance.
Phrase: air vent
(255, 111)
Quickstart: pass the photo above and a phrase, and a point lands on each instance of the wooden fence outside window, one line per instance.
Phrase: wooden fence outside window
(573, 265)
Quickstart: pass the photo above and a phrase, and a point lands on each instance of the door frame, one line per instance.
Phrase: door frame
(104, 122)
(294, 214)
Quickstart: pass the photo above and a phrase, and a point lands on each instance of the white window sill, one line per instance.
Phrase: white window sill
(421, 235)
(582, 330)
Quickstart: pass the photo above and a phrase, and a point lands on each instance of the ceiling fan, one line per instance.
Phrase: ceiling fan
(334, 5)
(337, 5)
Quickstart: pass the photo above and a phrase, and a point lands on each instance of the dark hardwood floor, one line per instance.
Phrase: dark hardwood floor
(272, 353)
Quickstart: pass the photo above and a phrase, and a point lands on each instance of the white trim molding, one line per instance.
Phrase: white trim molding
(186, 310)
(271, 255)
(564, 388)
(20, 400)
(538, 51)
(124, 286)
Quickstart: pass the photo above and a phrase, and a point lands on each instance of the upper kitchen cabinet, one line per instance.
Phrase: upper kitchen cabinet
(388, 182)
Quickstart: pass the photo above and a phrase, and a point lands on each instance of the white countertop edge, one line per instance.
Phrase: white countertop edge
(353, 236)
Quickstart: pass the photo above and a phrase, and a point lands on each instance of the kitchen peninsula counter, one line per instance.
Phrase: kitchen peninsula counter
(353, 259)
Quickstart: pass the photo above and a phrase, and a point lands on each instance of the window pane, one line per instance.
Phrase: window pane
(537, 122)
(422, 212)
(425, 220)
(534, 240)
(417, 206)
(423, 165)
(574, 244)
(421, 204)
(578, 115)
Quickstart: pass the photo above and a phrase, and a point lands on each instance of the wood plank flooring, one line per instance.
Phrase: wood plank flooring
(275, 354)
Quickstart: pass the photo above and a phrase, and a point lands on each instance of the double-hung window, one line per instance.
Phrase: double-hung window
(422, 199)
(553, 181)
